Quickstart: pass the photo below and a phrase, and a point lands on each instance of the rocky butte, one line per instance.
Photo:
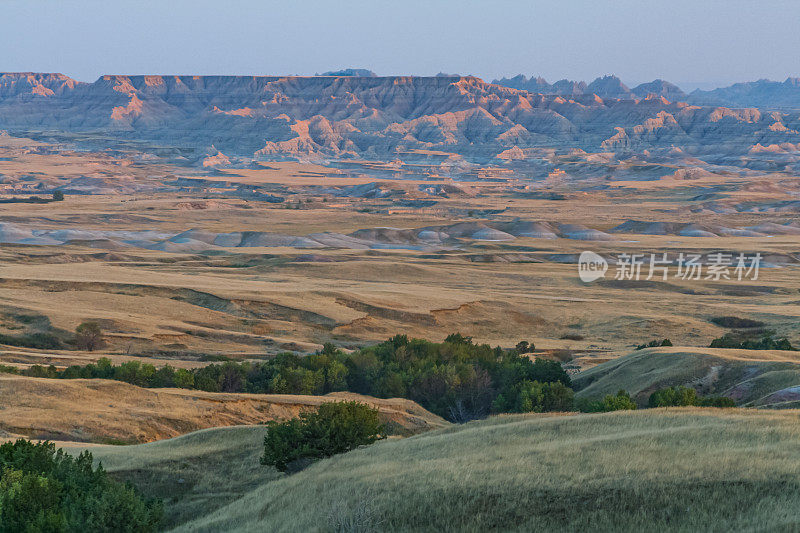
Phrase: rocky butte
(340, 117)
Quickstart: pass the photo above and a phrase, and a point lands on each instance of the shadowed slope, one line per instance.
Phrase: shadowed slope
(193, 474)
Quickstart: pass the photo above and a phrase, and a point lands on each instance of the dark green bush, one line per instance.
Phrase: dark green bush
(7, 369)
(685, 396)
(716, 401)
(742, 341)
(42, 489)
(611, 402)
(655, 344)
(38, 341)
(673, 397)
(536, 397)
(524, 347)
(336, 427)
(736, 322)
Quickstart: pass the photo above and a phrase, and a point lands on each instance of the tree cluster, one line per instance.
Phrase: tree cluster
(42, 489)
(456, 379)
(686, 396)
(621, 401)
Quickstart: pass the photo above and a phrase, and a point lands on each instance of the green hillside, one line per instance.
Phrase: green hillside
(195, 473)
(758, 378)
(677, 469)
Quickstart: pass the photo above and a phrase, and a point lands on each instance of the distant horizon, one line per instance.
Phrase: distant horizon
(707, 44)
(687, 87)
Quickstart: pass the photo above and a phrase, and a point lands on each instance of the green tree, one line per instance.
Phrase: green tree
(30, 502)
(336, 427)
(716, 401)
(611, 402)
(536, 397)
(43, 489)
(685, 396)
(184, 379)
(673, 397)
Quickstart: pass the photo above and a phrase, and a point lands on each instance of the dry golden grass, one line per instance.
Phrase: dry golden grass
(276, 303)
(95, 410)
(257, 301)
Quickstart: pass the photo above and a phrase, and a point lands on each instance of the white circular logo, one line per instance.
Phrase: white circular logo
(591, 267)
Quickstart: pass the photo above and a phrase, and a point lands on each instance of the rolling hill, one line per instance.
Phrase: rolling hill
(753, 378)
(667, 469)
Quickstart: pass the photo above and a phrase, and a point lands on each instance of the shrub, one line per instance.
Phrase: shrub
(42, 489)
(685, 396)
(88, 336)
(524, 347)
(184, 379)
(39, 371)
(534, 397)
(8, 369)
(611, 402)
(58, 196)
(336, 427)
(673, 397)
(39, 341)
(654, 344)
(457, 338)
(736, 322)
(716, 401)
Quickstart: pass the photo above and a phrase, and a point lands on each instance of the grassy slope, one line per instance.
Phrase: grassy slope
(104, 411)
(679, 469)
(193, 474)
(750, 377)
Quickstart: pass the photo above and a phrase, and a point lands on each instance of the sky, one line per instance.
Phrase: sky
(694, 43)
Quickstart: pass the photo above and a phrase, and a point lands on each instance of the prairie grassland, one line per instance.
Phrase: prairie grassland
(667, 469)
(266, 301)
(254, 302)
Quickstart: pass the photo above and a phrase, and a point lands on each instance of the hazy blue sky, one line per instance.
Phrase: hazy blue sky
(685, 41)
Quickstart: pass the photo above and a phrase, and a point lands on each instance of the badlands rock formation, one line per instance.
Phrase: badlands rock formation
(762, 93)
(382, 118)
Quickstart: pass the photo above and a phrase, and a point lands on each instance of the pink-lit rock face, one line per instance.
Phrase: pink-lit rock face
(376, 118)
